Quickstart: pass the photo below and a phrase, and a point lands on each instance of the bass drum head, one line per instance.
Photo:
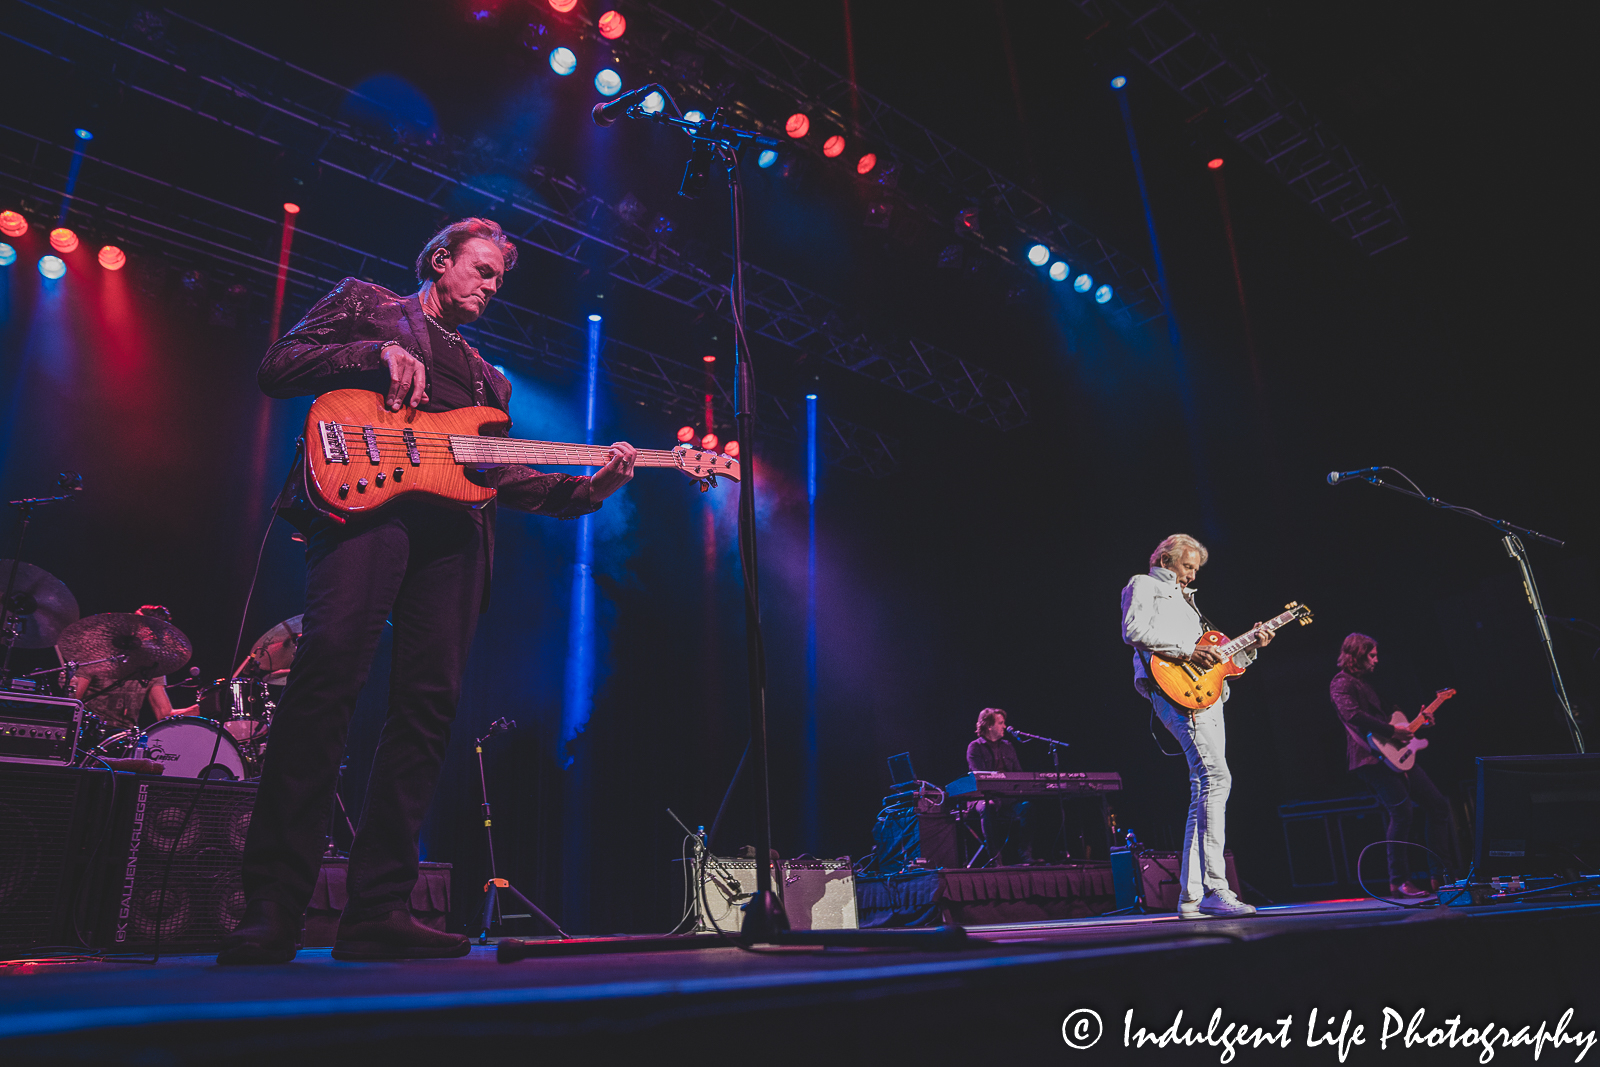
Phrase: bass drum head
(191, 747)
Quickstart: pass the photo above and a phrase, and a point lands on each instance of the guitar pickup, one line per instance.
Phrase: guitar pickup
(371, 437)
(412, 451)
(334, 447)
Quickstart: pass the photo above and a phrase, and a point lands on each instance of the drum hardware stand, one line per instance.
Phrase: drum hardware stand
(10, 617)
(497, 885)
(333, 852)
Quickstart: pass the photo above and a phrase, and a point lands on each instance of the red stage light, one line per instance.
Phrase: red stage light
(112, 258)
(865, 164)
(563, 6)
(12, 224)
(686, 434)
(291, 209)
(63, 240)
(732, 449)
(1215, 164)
(833, 146)
(709, 442)
(797, 126)
(612, 24)
(709, 359)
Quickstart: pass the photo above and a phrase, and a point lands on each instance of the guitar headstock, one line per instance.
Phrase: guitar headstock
(705, 465)
(1444, 694)
(1299, 612)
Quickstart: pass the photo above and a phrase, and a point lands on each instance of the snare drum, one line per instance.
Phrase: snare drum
(186, 746)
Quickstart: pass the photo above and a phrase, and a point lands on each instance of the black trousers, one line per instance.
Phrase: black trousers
(1397, 793)
(421, 566)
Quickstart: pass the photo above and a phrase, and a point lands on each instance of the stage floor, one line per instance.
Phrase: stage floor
(1504, 962)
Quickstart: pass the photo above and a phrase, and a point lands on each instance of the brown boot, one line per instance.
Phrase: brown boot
(267, 934)
(396, 936)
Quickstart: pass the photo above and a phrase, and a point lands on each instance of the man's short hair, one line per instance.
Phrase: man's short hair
(1172, 547)
(986, 719)
(453, 236)
(155, 611)
(1353, 653)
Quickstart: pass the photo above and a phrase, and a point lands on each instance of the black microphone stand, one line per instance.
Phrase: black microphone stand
(1514, 549)
(497, 885)
(10, 617)
(1061, 797)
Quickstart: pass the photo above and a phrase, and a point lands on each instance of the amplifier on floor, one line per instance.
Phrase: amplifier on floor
(1537, 815)
(172, 865)
(50, 817)
(1159, 871)
(816, 896)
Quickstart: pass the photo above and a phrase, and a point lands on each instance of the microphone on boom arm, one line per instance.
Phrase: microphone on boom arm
(1335, 477)
(604, 114)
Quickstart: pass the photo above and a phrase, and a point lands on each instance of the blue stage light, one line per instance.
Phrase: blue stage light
(608, 82)
(766, 159)
(1083, 283)
(1102, 294)
(562, 61)
(811, 396)
(82, 134)
(1039, 255)
(694, 116)
(1058, 271)
(8, 255)
(594, 318)
(653, 103)
(51, 267)
(1118, 82)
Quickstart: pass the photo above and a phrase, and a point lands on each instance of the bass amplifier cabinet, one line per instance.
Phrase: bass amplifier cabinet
(816, 896)
(172, 865)
(1537, 815)
(39, 729)
(49, 818)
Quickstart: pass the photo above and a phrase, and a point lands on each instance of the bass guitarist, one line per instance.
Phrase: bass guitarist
(1361, 712)
(421, 565)
(1159, 616)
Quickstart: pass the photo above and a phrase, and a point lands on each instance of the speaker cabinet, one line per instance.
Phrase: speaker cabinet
(1158, 873)
(172, 865)
(47, 823)
(816, 896)
(1537, 815)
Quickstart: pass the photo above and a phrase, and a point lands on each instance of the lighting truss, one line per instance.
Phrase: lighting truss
(934, 175)
(1261, 116)
(280, 104)
(159, 219)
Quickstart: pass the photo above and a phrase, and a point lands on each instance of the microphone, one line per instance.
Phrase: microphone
(604, 114)
(1335, 477)
(1012, 733)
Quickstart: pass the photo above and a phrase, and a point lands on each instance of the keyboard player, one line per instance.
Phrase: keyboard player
(990, 751)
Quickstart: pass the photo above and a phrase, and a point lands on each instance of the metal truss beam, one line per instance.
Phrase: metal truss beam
(228, 82)
(159, 219)
(1261, 116)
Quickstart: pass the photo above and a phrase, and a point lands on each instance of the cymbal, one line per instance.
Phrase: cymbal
(41, 603)
(274, 651)
(149, 645)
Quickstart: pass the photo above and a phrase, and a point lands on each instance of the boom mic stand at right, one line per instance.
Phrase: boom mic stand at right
(496, 885)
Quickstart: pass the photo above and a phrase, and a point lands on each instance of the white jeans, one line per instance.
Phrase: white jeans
(1205, 741)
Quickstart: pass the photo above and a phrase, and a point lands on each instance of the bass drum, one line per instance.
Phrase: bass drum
(186, 746)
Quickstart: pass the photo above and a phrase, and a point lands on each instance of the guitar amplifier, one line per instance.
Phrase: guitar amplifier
(39, 729)
(816, 896)
(1157, 873)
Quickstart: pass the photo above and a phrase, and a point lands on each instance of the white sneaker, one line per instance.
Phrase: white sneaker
(1188, 909)
(1222, 904)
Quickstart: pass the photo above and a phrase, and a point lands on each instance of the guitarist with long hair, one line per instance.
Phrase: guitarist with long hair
(1362, 713)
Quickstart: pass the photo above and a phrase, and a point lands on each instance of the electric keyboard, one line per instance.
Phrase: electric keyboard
(983, 784)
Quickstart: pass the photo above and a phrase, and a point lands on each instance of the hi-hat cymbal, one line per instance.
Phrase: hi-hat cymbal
(147, 645)
(41, 604)
(274, 651)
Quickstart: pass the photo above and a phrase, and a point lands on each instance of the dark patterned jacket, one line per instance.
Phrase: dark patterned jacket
(1362, 713)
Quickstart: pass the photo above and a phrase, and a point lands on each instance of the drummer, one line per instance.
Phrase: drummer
(119, 703)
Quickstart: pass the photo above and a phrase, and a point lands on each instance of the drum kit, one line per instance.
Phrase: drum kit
(118, 651)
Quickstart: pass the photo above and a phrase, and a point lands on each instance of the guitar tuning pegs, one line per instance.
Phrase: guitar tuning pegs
(1291, 605)
(703, 486)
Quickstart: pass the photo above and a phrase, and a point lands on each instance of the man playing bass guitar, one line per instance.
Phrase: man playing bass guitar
(1159, 616)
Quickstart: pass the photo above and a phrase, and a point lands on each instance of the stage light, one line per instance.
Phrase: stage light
(1083, 283)
(811, 396)
(1058, 271)
(1102, 294)
(1118, 82)
(694, 116)
(653, 104)
(8, 255)
(686, 434)
(562, 61)
(797, 126)
(865, 164)
(51, 267)
(594, 318)
(967, 219)
(1215, 164)
(12, 224)
(608, 82)
(731, 449)
(708, 359)
(82, 134)
(63, 240)
(766, 159)
(709, 442)
(290, 208)
(1039, 255)
(112, 258)
(562, 6)
(611, 25)
(833, 146)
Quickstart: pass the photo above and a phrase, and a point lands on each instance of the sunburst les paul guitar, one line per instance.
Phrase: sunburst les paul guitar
(1192, 686)
(1403, 757)
(360, 455)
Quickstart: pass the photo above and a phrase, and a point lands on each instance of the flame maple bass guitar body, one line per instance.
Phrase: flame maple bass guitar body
(359, 455)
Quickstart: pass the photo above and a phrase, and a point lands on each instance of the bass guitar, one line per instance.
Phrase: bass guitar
(359, 455)
(1403, 757)
(1192, 686)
